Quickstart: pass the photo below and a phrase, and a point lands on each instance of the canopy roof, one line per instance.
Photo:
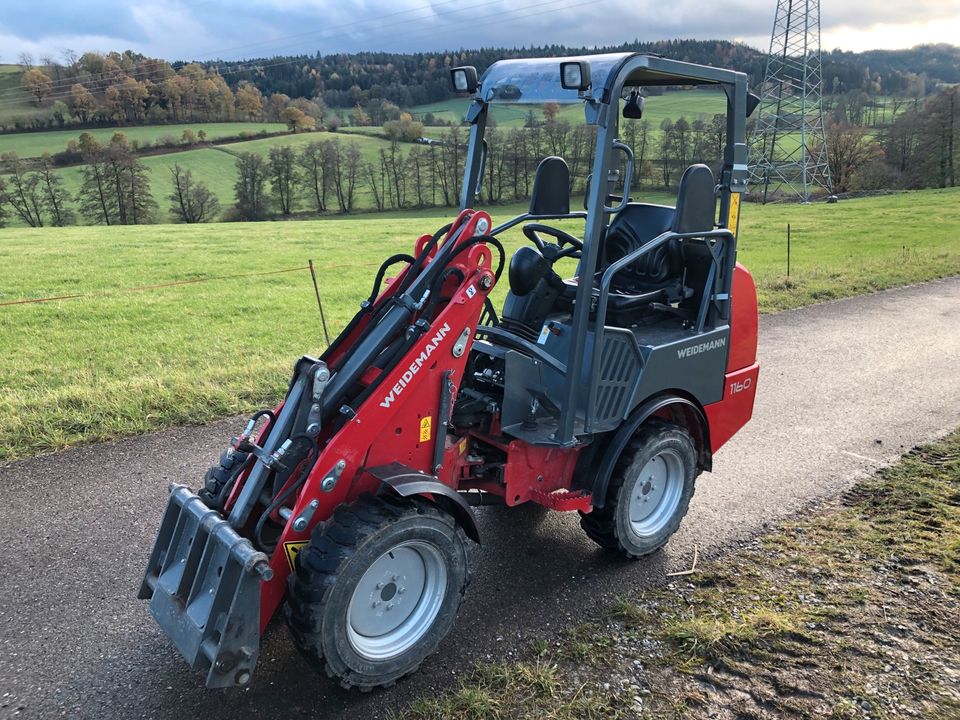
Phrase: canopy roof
(537, 80)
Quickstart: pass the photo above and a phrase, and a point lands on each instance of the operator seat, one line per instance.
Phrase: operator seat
(534, 286)
(658, 276)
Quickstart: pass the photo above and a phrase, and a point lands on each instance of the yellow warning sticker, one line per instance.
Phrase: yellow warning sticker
(291, 549)
(426, 428)
(734, 216)
(463, 446)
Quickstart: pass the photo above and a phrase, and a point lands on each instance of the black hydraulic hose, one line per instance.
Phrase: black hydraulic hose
(383, 271)
(281, 498)
(414, 269)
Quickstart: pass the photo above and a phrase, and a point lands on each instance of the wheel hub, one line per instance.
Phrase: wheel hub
(656, 493)
(396, 600)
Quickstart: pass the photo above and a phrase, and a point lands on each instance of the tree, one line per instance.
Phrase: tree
(55, 198)
(191, 202)
(550, 111)
(360, 116)
(3, 202)
(849, 148)
(282, 169)
(115, 185)
(404, 128)
(278, 103)
(249, 187)
(23, 192)
(296, 119)
(59, 113)
(315, 178)
(188, 137)
(82, 103)
(93, 197)
(36, 83)
(249, 100)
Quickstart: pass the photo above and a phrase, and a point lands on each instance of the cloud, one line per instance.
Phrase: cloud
(240, 28)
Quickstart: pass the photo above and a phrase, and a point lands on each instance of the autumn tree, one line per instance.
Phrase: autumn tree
(550, 111)
(296, 119)
(282, 170)
(359, 116)
(277, 104)
(36, 83)
(249, 100)
(405, 128)
(249, 187)
(191, 201)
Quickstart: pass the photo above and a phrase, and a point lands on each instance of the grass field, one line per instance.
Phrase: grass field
(117, 362)
(216, 167)
(34, 144)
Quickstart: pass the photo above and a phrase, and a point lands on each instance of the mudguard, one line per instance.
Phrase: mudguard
(626, 431)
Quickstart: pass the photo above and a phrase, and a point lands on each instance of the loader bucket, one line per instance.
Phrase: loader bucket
(203, 583)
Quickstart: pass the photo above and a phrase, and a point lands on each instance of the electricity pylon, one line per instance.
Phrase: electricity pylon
(788, 153)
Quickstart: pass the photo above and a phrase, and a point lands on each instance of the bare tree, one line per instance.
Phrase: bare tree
(191, 202)
(56, 200)
(23, 193)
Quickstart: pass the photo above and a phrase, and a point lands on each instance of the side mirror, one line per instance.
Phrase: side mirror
(575, 75)
(752, 102)
(633, 108)
(464, 79)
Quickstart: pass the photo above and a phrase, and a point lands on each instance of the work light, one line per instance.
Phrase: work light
(575, 75)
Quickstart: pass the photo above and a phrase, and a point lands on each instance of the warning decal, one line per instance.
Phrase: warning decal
(425, 428)
(291, 549)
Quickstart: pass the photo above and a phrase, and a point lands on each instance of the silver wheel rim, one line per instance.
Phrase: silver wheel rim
(656, 493)
(397, 600)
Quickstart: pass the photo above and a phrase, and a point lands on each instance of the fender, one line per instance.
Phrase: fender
(407, 482)
(641, 414)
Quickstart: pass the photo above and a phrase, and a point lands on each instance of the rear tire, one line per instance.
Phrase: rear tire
(649, 492)
(376, 589)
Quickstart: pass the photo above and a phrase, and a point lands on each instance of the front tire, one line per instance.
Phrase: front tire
(649, 492)
(376, 589)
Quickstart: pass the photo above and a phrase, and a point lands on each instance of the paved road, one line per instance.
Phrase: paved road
(845, 387)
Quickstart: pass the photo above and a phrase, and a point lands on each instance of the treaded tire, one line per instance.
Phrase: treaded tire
(610, 526)
(218, 475)
(329, 569)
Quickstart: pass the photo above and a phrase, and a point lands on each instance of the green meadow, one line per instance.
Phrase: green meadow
(117, 361)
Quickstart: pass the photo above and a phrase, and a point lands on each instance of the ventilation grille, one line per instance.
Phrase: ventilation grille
(619, 367)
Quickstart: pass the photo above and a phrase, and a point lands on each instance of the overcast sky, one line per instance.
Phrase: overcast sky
(206, 29)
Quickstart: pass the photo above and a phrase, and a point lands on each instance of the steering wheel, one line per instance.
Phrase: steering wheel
(553, 252)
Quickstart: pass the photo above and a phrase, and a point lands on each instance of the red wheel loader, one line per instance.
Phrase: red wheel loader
(607, 393)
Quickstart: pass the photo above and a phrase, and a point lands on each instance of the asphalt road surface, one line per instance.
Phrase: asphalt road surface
(845, 387)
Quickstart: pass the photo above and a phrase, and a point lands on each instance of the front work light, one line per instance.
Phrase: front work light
(464, 79)
(575, 75)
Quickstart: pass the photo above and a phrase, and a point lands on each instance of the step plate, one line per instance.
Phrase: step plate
(203, 583)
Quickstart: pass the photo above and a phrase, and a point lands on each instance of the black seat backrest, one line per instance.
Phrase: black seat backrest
(639, 223)
(635, 226)
(696, 203)
(551, 188)
(696, 209)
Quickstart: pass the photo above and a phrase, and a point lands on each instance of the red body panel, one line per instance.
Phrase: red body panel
(726, 417)
(743, 320)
